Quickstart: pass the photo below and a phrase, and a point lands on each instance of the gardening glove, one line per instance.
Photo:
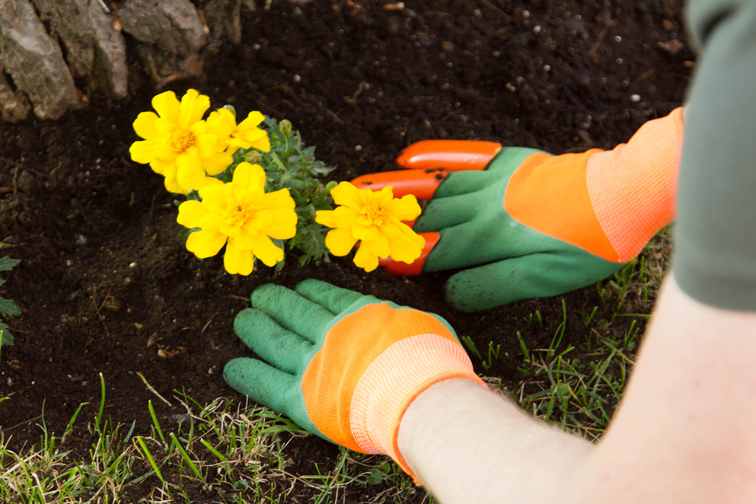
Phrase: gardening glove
(342, 365)
(522, 223)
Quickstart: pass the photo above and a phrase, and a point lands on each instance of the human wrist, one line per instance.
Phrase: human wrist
(394, 379)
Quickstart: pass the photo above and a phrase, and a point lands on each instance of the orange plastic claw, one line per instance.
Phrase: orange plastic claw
(454, 155)
(421, 183)
(398, 268)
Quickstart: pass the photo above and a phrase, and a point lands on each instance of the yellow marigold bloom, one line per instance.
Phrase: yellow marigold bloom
(242, 216)
(375, 218)
(178, 144)
(244, 135)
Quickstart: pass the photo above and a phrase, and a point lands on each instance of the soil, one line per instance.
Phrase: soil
(104, 275)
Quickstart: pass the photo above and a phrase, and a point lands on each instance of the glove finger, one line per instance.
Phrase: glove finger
(420, 183)
(291, 311)
(526, 277)
(454, 155)
(502, 167)
(465, 182)
(270, 387)
(278, 347)
(334, 299)
(447, 212)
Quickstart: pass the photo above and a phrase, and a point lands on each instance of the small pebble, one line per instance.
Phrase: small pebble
(357, 148)
(618, 39)
(537, 29)
(297, 79)
(496, 54)
(635, 98)
(526, 14)
(546, 68)
(619, 61)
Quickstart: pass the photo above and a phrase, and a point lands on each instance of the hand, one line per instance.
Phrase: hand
(522, 223)
(342, 365)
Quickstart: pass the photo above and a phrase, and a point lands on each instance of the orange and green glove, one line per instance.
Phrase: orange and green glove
(522, 223)
(342, 365)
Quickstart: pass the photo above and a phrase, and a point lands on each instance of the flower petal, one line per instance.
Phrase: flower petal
(167, 106)
(238, 261)
(250, 176)
(253, 120)
(161, 167)
(190, 213)
(171, 182)
(190, 173)
(193, 107)
(217, 163)
(347, 195)
(206, 140)
(262, 144)
(366, 233)
(144, 151)
(345, 216)
(265, 250)
(144, 125)
(405, 209)
(340, 241)
(325, 217)
(205, 244)
(378, 246)
(215, 196)
(365, 260)
(406, 246)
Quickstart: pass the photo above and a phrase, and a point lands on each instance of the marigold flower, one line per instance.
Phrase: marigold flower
(375, 218)
(242, 216)
(178, 144)
(244, 135)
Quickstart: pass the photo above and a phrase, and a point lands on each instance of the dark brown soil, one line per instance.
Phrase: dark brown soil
(102, 268)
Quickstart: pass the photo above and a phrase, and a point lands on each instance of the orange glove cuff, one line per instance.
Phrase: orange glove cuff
(609, 203)
(356, 397)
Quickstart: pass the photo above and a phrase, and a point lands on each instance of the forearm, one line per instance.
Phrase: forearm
(468, 444)
(684, 429)
(682, 433)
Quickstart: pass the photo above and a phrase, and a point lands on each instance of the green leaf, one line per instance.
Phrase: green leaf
(375, 477)
(9, 308)
(7, 264)
(6, 338)
(184, 233)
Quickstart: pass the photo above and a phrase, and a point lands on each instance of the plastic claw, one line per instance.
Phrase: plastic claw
(421, 183)
(454, 155)
(398, 268)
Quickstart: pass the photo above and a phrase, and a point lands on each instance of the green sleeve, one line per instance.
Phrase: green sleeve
(715, 235)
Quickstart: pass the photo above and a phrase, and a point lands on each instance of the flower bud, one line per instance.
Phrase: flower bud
(252, 157)
(285, 127)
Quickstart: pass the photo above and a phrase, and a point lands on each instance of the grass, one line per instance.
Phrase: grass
(578, 387)
(229, 452)
(221, 452)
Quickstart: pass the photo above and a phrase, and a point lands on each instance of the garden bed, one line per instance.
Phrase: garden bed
(105, 283)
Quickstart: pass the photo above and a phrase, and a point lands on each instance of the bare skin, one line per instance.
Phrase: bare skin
(683, 433)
